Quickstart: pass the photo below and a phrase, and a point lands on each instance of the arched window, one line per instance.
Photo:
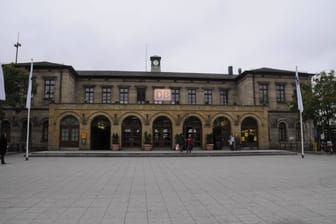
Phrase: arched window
(249, 132)
(193, 127)
(69, 132)
(131, 132)
(100, 133)
(221, 131)
(282, 132)
(162, 132)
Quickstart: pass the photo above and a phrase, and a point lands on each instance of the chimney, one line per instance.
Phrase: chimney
(155, 63)
(230, 70)
(239, 71)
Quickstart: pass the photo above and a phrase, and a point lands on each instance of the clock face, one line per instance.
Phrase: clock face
(155, 62)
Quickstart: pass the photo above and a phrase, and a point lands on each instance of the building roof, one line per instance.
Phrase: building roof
(47, 65)
(265, 70)
(160, 75)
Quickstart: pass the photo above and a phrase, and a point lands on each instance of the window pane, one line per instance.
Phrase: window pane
(106, 95)
(175, 96)
(123, 95)
(223, 95)
(280, 93)
(141, 95)
(89, 95)
(191, 96)
(49, 89)
(208, 96)
(263, 93)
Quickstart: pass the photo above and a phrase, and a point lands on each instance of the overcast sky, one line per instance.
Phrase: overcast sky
(189, 35)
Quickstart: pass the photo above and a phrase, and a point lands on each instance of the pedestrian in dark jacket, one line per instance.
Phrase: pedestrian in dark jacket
(189, 144)
(3, 147)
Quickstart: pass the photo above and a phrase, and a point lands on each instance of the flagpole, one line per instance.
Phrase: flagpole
(302, 147)
(300, 107)
(28, 105)
(27, 142)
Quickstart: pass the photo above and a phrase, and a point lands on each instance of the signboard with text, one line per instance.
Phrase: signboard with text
(162, 95)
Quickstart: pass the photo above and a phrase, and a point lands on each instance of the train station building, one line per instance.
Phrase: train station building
(90, 110)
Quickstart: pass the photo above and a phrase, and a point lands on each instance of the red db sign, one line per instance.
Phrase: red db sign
(162, 95)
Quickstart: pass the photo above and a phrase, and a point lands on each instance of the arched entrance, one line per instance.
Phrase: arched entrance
(249, 132)
(162, 132)
(100, 133)
(221, 132)
(193, 126)
(131, 132)
(69, 136)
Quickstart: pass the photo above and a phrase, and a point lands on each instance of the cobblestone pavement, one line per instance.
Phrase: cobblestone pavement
(184, 190)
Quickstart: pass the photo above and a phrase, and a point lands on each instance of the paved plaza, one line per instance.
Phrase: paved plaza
(167, 190)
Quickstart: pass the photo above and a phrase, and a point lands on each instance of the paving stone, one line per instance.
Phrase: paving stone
(184, 190)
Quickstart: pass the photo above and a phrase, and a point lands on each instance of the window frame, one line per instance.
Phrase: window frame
(192, 96)
(49, 88)
(106, 94)
(89, 94)
(263, 93)
(123, 95)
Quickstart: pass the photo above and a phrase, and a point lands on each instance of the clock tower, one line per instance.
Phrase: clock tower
(155, 63)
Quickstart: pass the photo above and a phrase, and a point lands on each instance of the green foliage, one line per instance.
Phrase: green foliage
(16, 84)
(319, 99)
(148, 138)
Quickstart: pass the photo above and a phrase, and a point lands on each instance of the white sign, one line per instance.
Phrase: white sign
(162, 95)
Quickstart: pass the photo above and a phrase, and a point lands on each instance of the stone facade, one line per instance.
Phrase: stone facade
(74, 115)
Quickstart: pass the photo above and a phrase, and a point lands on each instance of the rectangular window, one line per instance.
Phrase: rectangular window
(280, 93)
(123, 95)
(208, 96)
(263, 93)
(106, 95)
(89, 95)
(49, 89)
(141, 95)
(175, 96)
(191, 96)
(223, 97)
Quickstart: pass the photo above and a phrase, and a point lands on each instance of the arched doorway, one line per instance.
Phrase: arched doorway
(193, 126)
(221, 132)
(131, 132)
(100, 133)
(162, 132)
(69, 136)
(249, 132)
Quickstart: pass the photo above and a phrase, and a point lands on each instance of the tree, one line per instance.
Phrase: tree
(319, 99)
(16, 83)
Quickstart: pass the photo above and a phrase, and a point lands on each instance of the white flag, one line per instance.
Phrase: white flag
(28, 102)
(298, 91)
(2, 85)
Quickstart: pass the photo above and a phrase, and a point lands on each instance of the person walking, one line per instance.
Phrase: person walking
(232, 142)
(3, 147)
(189, 144)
